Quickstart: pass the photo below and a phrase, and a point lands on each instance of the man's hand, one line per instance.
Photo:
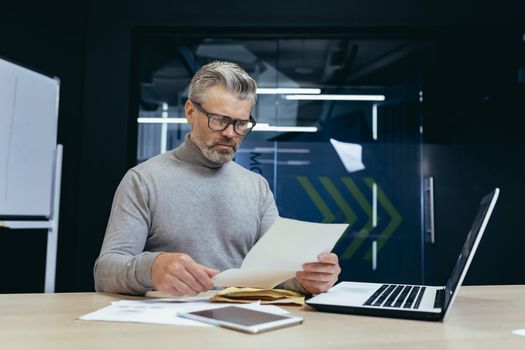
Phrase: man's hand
(178, 274)
(319, 276)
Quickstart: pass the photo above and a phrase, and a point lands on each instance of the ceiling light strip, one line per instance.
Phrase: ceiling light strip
(374, 121)
(282, 91)
(336, 97)
(285, 128)
(143, 120)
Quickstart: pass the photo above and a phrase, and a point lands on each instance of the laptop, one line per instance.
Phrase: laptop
(418, 302)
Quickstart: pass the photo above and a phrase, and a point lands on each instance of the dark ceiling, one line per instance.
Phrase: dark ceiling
(333, 64)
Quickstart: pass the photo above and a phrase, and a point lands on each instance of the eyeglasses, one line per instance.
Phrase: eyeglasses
(217, 122)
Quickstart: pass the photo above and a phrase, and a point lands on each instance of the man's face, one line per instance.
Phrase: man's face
(217, 146)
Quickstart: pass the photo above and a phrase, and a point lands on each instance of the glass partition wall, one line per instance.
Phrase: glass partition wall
(338, 135)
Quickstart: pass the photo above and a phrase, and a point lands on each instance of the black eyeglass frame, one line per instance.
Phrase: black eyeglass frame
(231, 121)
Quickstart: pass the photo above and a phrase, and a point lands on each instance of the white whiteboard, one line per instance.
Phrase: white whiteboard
(28, 140)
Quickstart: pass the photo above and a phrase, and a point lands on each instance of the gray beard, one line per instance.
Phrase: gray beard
(217, 157)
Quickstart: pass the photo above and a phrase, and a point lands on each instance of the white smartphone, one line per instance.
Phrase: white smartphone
(243, 319)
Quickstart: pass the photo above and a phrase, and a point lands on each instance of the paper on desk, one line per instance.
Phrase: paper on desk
(281, 252)
(519, 332)
(163, 311)
(143, 311)
(203, 296)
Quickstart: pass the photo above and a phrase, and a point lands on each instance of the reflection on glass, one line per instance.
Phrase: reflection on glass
(346, 149)
(350, 155)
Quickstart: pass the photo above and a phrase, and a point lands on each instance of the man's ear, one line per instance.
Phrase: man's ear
(189, 111)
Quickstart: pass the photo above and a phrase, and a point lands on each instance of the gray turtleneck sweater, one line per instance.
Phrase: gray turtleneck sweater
(180, 201)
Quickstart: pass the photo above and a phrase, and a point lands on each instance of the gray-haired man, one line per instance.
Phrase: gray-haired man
(182, 216)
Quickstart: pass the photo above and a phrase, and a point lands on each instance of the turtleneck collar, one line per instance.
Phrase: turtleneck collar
(188, 152)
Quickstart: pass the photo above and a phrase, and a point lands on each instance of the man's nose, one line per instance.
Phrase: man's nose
(228, 132)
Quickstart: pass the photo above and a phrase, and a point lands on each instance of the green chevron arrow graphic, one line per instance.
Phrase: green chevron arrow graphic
(363, 203)
(350, 216)
(328, 216)
(395, 218)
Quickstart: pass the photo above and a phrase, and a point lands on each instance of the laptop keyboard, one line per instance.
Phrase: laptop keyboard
(399, 296)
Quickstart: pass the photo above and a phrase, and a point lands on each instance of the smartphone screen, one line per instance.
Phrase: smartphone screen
(243, 319)
(240, 315)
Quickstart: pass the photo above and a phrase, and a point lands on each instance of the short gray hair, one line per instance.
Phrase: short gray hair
(226, 74)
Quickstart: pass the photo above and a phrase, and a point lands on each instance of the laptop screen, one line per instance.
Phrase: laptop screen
(470, 246)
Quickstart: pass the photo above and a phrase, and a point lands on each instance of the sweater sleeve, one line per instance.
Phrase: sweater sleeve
(123, 266)
(269, 212)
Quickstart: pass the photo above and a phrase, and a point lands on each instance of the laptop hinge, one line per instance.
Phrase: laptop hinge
(439, 301)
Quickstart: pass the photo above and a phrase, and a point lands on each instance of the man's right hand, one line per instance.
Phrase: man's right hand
(178, 274)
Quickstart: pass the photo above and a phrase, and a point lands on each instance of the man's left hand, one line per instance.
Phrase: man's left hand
(318, 277)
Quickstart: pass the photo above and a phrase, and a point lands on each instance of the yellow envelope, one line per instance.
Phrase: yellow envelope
(266, 296)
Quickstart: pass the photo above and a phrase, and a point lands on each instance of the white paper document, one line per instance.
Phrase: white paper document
(350, 154)
(281, 252)
(203, 296)
(519, 332)
(158, 311)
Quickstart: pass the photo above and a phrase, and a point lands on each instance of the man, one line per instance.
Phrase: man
(183, 216)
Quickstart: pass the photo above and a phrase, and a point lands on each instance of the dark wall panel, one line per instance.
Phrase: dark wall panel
(463, 174)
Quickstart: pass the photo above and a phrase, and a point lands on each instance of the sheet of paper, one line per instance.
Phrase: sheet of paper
(350, 154)
(281, 252)
(162, 311)
(519, 332)
(204, 296)
(252, 278)
(139, 311)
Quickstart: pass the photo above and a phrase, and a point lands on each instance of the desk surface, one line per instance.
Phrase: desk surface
(482, 317)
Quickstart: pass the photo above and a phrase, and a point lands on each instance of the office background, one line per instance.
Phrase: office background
(474, 87)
